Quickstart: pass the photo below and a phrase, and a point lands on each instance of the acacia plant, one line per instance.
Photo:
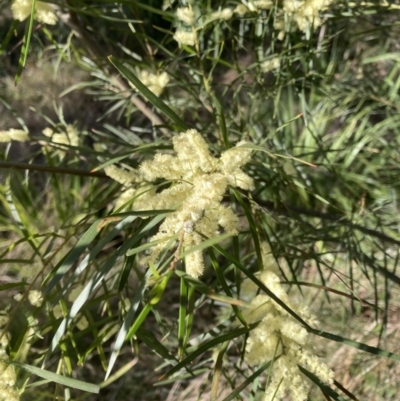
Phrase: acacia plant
(214, 215)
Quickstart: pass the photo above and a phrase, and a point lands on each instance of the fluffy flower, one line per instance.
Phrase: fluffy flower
(35, 298)
(186, 15)
(154, 82)
(185, 37)
(225, 14)
(241, 9)
(124, 177)
(143, 197)
(279, 337)
(201, 181)
(270, 65)
(44, 13)
(13, 135)
(263, 4)
(306, 13)
(68, 137)
(7, 383)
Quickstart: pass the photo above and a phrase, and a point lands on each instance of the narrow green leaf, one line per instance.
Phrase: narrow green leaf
(183, 300)
(249, 380)
(224, 285)
(8, 37)
(99, 277)
(207, 243)
(26, 43)
(206, 346)
(221, 121)
(324, 388)
(56, 378)
(260, 285)
(10, 286)
(151, 341)
(127, 323)
(61, 268)
(356, 344)
(139, 321)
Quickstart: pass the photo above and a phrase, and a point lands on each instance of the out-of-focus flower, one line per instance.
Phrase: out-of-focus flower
(271, 64)
(263, 4)
(58, 139)
(241, 9)
(44, 12)
(185, 37)
(14, 135)
(186, 15)
(154, 82)
(35, 298)
(225, 14)
(82, 323)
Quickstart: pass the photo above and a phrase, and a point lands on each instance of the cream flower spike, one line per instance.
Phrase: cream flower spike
(186, 15)
(201, 181)
(185, 37)
(154, 82)
(13, 135)
(278, 335)
(45, 13)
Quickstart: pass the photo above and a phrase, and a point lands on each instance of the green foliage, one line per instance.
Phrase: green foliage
(317, 106)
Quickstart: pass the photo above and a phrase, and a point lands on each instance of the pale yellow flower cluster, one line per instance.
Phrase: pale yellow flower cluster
(154, 82)
(225, 14)
(44, 13)
(13, 135)
(306, 13)
(280, 336)
(199, 183)
(141, 194)
(186, 15)
(183, 35)
(70, 137)
(8, 391)
(272, 64)
(35, 297)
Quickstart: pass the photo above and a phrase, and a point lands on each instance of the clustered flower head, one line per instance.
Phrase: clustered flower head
(70, 138)
(186, 15)
(199, 181)
(270, 65)
(44, 13)
(306, 13)
(8, 392)
(184, 37)
(141, 194)
(280, 337)
(225, 14)
(13, 135)
(186, 34)
(35, 298)
(154, 82)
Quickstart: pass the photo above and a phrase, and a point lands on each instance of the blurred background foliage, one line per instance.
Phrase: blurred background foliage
(326, 115)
